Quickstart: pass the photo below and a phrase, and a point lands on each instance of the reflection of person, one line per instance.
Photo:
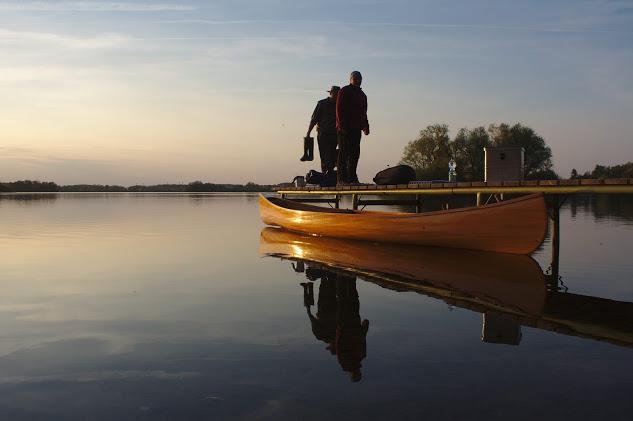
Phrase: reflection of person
(351, 333)
(324, 322)
(324, 118)
(337, 321)
(351, 119)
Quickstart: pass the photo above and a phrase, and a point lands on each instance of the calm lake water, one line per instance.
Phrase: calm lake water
(123, 306)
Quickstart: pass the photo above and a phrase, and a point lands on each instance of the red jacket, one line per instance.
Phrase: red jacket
(351, 109)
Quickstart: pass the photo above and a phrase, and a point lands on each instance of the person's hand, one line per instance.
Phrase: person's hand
(366, 131)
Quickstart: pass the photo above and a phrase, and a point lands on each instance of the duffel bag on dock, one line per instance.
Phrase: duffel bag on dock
(400, 174)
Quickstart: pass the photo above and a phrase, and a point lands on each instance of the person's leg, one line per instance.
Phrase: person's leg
(341, 165)
(353, 154)
(330, 148)
(327, 151)
(322, 151)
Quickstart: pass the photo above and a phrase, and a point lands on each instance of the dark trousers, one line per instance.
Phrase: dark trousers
(327, 151)
(348, 155)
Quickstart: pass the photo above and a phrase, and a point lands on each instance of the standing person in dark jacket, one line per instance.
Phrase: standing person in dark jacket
(324, 117)
(351, 119)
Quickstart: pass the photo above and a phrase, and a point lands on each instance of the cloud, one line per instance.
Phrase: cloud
(11, 37)
(97, 376)
(91, 6)
(271, 47)
(513, 28)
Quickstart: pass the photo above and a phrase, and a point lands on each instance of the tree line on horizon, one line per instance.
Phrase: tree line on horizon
(29, 186)
(605, 171)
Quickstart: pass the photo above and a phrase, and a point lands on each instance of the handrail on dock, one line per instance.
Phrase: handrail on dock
(609, 185)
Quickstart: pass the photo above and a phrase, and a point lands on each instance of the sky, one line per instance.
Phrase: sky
(145, 92)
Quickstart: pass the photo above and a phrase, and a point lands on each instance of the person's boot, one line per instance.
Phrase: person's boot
(308, 149)
(308, 294)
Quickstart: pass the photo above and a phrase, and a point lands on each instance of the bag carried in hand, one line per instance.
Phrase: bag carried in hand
(400, 174)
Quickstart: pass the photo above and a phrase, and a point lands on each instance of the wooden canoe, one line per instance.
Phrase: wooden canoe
(516, 226)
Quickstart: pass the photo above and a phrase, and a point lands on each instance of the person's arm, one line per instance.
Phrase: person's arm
(314, 119)
(310, 127)
(366, 122)
(341, 109)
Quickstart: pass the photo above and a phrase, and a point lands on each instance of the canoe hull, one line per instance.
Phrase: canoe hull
(516, 226)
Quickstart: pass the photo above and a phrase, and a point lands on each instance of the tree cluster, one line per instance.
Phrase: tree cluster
(76, 188)
(430, 153)
(28, 186)
(199, 186)
(605, 171)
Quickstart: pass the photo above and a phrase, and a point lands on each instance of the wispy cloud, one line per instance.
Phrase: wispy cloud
(8, 36)
(514, 28)
(270, 48)
(91, 6)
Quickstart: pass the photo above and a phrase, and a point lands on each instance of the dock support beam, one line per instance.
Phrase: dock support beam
(555, 202)
(478, 199)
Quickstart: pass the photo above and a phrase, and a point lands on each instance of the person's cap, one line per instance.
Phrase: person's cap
(356, 74)
(334, 88)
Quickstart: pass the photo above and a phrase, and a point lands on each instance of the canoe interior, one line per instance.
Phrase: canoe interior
(298, 206)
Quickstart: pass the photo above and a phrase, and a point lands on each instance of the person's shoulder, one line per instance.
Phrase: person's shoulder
(322, 101)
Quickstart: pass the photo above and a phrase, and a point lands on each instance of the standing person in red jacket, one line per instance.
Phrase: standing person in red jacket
(351, 119)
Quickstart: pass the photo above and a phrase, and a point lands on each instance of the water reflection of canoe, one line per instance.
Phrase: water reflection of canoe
(507, 289)
(515, 226)
(497, 279)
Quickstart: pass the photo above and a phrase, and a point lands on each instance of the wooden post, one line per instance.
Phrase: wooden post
(337, 199)
(418, 206)
(355, 198)
(555, 242)
(478, 198)
(554, 204)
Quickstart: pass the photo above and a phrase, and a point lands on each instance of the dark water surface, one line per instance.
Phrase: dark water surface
(120, 306)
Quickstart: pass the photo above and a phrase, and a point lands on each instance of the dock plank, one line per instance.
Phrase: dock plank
(590, 182)
(616, 181)
(574, 182)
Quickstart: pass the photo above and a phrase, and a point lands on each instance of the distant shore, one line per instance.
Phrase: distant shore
(28, 186)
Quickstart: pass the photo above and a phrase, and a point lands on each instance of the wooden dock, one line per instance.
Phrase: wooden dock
(417, 190)
(613, 185)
